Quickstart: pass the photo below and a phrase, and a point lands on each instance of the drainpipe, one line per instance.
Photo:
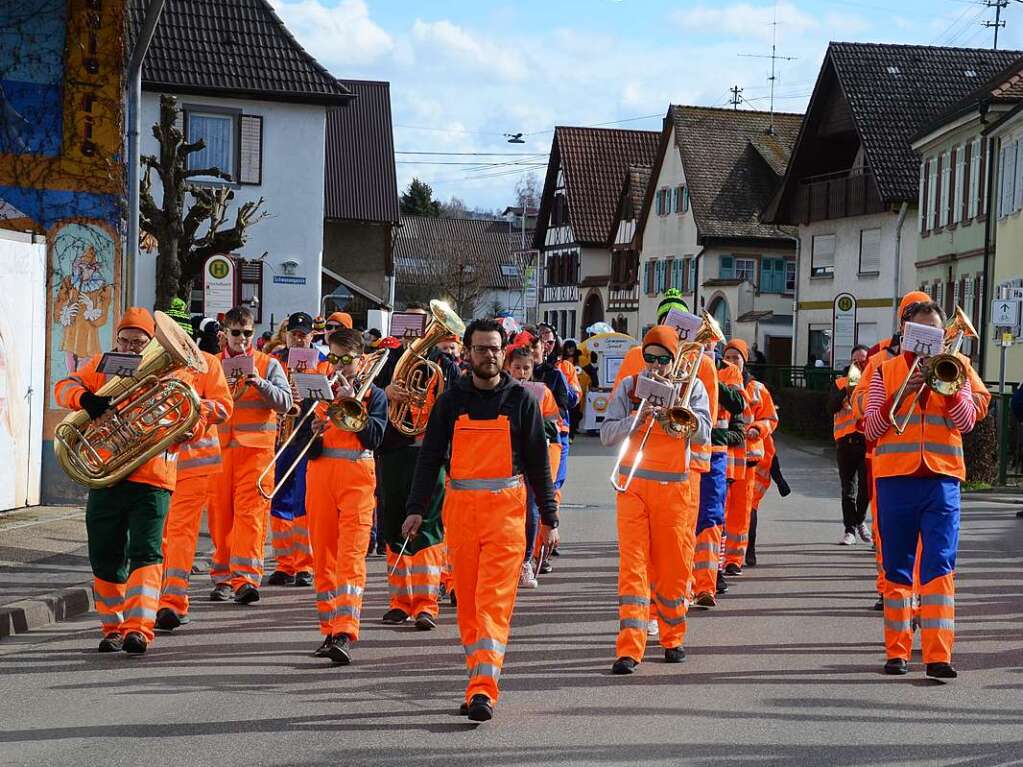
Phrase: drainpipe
(898, 263)
(129, 275)
(795, 297)
(697, 258)
(990, 230)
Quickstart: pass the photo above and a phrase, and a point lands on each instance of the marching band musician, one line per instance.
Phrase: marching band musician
(851, 451)
(490, 430)
(340, 485)
(289, 531)
(238, 512)
(759, 419)
(918, 474)
(124, 522)
(199, 462)
(654, 519)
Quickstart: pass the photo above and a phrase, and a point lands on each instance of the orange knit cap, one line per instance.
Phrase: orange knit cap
(342, 317)
(913, 297)
(137, 318)
(662, 335)
(740, 346)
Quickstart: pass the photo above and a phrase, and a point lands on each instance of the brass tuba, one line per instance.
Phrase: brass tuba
(944, 373)
(149, 412)
(349, 413)
(422, 376)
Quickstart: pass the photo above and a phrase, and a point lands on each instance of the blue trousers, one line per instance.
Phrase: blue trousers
(912, 508)
(713, 487)
(563, 466)
(289, 502)
(532, 522)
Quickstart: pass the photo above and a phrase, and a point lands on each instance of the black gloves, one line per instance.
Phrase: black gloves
(316, 449)
(93, 405)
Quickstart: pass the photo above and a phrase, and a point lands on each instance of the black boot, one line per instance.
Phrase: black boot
(779, 480)
(751, 547)
(722, 584)
(340, 649)
(480, 709)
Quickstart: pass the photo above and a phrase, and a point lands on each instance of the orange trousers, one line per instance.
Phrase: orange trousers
(656, 533)
(180, 534)
(290, 538)
(486, 535)
(415, 583)
(131, 606)
(738, 508)
(705, 560)
(340, 500)
(237, 517)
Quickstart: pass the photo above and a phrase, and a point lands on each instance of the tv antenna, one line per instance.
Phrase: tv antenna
(775, 58)
(736, 99)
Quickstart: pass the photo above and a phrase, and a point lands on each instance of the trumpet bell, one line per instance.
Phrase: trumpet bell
(348, 414)
(945, 374)
(683, 421)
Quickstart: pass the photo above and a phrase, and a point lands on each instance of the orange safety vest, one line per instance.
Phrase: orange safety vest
(931, 440)
(664, 457)
(481, 455)
(567, 367)
(201, 455)
(341, 444)
(845, 421)
(699, 454)
(730, 376)
(253, 423)
(762, 414)
(159, 471)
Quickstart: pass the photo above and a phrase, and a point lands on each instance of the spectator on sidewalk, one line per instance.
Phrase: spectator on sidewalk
(851, 451)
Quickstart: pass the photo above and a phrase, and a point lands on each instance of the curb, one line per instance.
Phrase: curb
(29, 614)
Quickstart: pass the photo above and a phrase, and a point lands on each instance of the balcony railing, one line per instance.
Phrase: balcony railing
(839, 195)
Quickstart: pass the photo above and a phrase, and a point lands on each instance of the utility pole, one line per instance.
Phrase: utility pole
(736, 99)
(775, 58)
(999, 21)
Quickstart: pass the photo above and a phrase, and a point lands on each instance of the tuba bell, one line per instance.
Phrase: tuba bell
(422, 377)
(149, 412)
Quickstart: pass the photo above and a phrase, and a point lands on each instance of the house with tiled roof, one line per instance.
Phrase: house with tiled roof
(623, 286)
(701, 231)
(853, 187)
(580, 199)
(476, 264)
(259, 101)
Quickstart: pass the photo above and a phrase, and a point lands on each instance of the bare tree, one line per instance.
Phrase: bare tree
(186, 239)
(528, 191)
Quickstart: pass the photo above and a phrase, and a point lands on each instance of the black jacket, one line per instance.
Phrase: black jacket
(529, 445)
(394, 439)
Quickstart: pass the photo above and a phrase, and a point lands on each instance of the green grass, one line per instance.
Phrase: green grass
(969, 487)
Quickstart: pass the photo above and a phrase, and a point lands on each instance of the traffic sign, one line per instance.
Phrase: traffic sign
(1005, 312)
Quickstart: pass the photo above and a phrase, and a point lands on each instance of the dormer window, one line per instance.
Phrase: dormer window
(970, 73)
(892, 70)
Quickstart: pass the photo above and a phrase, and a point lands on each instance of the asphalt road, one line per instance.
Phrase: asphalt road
(785, 671)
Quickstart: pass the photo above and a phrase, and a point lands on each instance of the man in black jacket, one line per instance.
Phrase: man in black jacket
(492, 430)
(851, 452)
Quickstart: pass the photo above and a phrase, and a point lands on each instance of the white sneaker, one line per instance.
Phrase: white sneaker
(652, 629)
(864, 532)
(527, 579)
(847, 540)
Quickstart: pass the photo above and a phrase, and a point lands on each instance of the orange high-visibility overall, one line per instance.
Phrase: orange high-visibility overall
(198, 463)
(484, 522)
(700, 455)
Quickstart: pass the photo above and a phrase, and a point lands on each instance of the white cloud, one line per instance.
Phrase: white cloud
(450, 41)
(743, 20)
(340, 36)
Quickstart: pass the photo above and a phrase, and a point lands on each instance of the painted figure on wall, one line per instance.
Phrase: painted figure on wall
(83, 256)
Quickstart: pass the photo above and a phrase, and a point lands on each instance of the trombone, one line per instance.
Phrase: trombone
(347, 413)
(944, 373)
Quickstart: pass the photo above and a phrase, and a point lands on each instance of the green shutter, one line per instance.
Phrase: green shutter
(726, 268)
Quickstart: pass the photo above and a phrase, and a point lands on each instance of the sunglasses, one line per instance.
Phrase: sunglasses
(333, 326)
(236, 332)
(660, 359)
(342, 359)
(136, 344)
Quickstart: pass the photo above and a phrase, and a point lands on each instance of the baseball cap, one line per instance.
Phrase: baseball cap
(300, 321)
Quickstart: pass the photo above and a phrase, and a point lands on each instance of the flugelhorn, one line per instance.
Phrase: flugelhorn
(422, 377)
(944, 373)
(149, 412)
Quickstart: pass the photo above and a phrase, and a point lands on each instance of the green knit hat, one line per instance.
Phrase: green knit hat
(178, 312)
(672, 300)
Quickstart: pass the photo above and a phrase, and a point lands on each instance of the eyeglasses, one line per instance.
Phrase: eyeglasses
(660, 359)
(236, 332)
(342, 359)
(333, 326)
(493, 351)
(137, 344)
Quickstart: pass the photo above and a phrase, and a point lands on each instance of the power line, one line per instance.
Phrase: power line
(473, 154)
(450, 162)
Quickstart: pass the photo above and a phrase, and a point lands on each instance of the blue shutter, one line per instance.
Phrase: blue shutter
(692, 274)
(726, 268)
(685, 199)
(676, 278)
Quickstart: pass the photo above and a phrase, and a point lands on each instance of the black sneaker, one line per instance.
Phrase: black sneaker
(381, 548)
(221, 592)
(425, 622)
(733, 569)
(555, 552)
(623, 665)
(246, 594)
(941, 671)
(896, 667)
(322, 650)
(394, 617)
(546, 567)
(112, 642)
(751, 558)
(167, 619)
(135, 643)
(463, 709)
(1019, 515)
(783, 488)
(879, 604)
(480, 709)
(278, 578)
(705, 599)
(722, 584)
(340, 649)
(675, 655)
(303, 579)
(452, 599)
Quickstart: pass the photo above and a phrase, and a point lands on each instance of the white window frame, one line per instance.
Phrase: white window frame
(875, 269)
(932, 192)
(824, 269)
(946, 174)
(748, 263)
(195, 159)
(975, 161)
(790, 268)
(957, 198)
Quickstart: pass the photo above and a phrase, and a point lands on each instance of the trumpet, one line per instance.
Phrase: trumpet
(422, 376)
(944, 373)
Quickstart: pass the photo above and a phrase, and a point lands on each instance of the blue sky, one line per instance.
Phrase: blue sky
(464, 73)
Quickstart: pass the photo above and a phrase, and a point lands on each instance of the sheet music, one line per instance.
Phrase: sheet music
(656, 393)
(237, 367)
(924, 340)
(123, 364)
(301, 359)
(313, 386)
(687, 324)
(408, 325)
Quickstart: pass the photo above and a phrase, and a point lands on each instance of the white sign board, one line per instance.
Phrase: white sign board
(843, 329)
(925, 340)
(685, 323)
(597, 403)
(312, 386)
(218, 285)
(1005, 312)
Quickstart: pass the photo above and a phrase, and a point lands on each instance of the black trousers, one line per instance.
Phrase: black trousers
(852, 471)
